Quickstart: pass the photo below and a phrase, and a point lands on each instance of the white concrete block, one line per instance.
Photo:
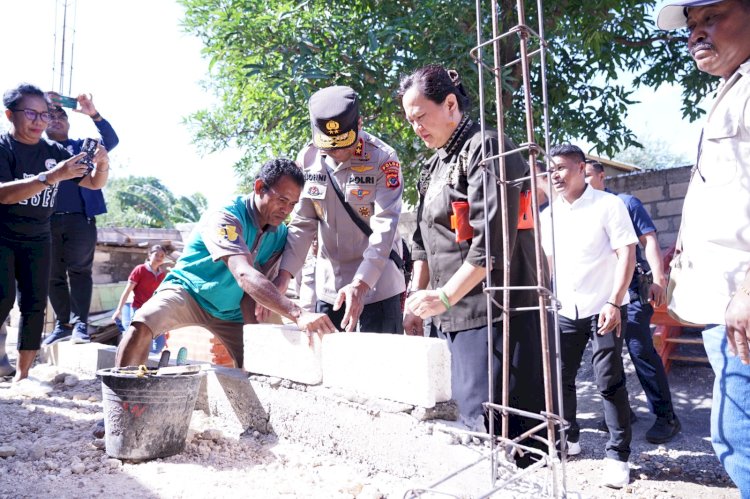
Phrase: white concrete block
(283, 351)
(410, 369)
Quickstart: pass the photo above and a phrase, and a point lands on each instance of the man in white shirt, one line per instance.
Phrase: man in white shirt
(711, 284)
(594, 259)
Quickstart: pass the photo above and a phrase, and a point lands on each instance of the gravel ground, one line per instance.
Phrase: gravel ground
(48, 447)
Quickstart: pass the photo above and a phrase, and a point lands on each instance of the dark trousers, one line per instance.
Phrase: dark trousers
(469, 369)
(647, 363)
(610, 379)
(26, 263)
(383, 316)
(73, 246)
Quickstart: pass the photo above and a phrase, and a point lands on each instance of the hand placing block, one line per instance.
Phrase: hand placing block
(282, 351)
(409, 369)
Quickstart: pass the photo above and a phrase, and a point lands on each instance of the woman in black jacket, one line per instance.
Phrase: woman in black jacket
(450, 258)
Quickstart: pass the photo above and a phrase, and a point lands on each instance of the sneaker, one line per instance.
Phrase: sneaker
(571, 448)
(602, 424)
(664, 429)
(616, 474)
(60, 333)
(574, 448)
(81, 333)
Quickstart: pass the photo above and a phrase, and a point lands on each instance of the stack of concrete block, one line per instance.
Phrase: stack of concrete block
(408, 369)
(284, 352)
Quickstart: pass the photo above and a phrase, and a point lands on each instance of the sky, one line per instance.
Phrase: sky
(144, 73)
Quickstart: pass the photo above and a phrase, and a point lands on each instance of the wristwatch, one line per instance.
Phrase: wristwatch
(42, 177)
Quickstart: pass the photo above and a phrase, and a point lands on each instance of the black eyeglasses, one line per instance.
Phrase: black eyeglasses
(32, 115)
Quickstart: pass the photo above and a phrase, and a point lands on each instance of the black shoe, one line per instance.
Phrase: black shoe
(602, 424)
(664, 429)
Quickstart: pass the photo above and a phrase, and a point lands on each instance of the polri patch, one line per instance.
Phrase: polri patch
(390, 167)
(392, 181)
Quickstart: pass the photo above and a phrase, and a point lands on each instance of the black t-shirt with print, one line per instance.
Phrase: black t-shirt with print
(28, 219)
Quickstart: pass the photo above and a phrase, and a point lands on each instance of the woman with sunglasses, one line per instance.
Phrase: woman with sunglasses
(450, 256)
(30, 169)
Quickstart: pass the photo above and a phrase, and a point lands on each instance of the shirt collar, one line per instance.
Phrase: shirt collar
(588, 193)
(457, 138)
(252, 211)
(155, 272)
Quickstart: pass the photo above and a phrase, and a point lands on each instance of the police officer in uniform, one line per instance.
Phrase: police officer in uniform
(358, 278)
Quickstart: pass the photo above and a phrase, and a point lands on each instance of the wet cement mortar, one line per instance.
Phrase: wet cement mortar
(48, 447)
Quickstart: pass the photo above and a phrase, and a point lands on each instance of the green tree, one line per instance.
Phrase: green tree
(267, 58)
(146, 202)
(655, 154)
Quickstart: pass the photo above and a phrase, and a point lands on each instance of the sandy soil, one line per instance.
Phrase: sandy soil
(48, 447)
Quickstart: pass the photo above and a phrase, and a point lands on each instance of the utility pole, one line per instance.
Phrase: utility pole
(63, 46)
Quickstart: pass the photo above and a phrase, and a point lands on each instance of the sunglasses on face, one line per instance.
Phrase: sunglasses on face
(32, 115)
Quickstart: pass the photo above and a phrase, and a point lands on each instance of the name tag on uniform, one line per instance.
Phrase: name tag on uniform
(314, 190)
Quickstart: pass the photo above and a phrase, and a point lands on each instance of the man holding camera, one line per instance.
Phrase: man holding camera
(74, 229)
(647, 363)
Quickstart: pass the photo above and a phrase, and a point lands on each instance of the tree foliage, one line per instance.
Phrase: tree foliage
(267, 58)
(146, 202)
(655, 154)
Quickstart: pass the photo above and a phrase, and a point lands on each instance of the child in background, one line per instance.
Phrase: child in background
(143, 281)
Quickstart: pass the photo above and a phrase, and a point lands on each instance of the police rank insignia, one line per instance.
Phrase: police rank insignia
(360, 193)
(332, 127)
(364, 211)
(228, 232)
(359, 151)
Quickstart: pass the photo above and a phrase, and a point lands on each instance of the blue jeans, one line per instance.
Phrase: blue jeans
(730, 410)
(648, 365)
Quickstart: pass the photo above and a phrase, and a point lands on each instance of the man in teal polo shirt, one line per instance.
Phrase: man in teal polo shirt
(224, 269)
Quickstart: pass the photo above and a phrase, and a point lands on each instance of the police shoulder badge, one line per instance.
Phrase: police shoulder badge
(391, 170)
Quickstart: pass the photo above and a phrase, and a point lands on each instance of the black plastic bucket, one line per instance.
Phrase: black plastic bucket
(147, 417)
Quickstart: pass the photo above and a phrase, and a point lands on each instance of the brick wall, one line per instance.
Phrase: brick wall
(114, 263)
(662, 193)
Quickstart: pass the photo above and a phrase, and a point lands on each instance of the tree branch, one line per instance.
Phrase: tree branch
(666, 37)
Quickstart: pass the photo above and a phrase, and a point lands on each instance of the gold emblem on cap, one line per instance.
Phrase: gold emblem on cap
(333, 127)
